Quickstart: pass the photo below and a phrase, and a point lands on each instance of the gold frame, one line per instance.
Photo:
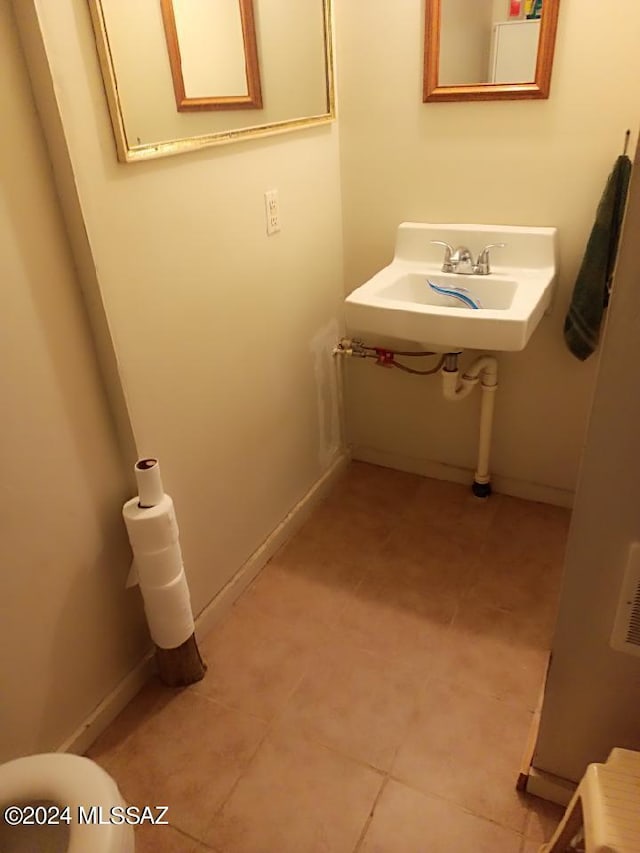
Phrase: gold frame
(488, 91)
(130, 153)
(253, 98)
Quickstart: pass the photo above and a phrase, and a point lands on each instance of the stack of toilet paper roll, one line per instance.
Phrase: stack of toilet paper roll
(153, 533)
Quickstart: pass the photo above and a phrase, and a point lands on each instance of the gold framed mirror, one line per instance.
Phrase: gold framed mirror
(213, 54)
(294, 76)
(488, 50)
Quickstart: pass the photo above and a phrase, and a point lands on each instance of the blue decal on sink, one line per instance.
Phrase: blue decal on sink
(459, 293)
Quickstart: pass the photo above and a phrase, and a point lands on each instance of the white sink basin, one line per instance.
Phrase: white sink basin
(397, 302)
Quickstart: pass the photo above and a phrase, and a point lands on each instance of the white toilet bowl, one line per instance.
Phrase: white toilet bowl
(58, 780)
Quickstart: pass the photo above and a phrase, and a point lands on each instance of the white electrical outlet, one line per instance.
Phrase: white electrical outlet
(272, 211)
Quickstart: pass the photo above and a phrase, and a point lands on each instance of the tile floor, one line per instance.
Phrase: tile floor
(372, 691)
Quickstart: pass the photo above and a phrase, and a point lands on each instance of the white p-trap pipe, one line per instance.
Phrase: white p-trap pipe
(456, 387)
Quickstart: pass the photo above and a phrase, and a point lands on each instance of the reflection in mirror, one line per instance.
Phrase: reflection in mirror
(488, 49)
(292, 43)
(212, 52)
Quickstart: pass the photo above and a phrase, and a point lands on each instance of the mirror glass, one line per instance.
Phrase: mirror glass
(287, 42)
(488, 49)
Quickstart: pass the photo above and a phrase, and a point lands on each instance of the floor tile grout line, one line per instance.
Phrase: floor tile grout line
(332, 748)
(467, 809)
(223, 802)
(192, 837)
(235, 709)
(241, 776)
(370, 816)
(271, 726)
(387, 659)
(504, 699)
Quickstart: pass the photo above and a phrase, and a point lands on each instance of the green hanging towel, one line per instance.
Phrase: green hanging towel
(591, 290)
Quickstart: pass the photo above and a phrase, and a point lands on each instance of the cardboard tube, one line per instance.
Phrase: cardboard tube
(150, 490)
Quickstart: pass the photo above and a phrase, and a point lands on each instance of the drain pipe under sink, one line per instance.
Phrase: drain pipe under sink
(455, 387)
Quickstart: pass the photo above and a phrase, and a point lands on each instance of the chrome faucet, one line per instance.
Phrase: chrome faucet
(460, 260)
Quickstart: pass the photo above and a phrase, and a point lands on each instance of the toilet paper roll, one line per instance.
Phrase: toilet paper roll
(158, 568)
(150, 528)
(168, 612)
(150, 489)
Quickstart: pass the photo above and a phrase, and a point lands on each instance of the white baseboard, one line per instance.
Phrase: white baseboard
(440, 471)
(117, 700)
(550, 787)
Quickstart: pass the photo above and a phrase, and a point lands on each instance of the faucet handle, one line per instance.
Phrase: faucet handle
(447, 265)
(482, 264)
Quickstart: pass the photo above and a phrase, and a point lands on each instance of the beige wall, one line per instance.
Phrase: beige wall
(537, 163)
(593, 692)
(69, 631)
(223, 335)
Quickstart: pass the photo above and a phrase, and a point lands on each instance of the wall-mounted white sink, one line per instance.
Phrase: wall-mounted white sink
(397, 303)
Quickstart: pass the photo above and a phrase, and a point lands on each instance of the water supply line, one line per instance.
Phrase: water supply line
(454, 387)
(386, 357)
